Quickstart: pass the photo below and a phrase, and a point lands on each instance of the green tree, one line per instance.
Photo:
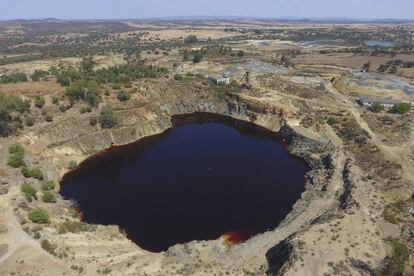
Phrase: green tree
(190, 39)
(63, 80)
(87, 65)
(197, 57)
(107, 118)
(376, 107)
(39, 215)
(75, 92)
(401, 108)
(38, 74)
(93, 91)
(185, 55)
(240, 53)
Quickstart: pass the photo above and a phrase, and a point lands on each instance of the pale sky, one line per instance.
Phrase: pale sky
(119, 9)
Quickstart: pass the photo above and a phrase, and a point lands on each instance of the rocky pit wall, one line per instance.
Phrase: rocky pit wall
(72, 138)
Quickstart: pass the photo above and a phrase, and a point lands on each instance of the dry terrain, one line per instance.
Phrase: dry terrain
(357, 212)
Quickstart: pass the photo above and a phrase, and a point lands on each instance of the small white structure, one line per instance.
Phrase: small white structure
(223, 80)
(368, 101)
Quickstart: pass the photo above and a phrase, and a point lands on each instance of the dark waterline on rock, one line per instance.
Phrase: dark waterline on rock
(206, 177)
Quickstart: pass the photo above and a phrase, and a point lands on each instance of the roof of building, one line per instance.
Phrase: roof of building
(370, 99)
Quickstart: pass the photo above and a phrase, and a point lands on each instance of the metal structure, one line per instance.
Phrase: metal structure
(246, 78)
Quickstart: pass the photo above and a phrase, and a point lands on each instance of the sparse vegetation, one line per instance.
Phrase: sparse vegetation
(107, 118)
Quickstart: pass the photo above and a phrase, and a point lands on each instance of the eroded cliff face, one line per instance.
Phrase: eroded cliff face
(71, 138)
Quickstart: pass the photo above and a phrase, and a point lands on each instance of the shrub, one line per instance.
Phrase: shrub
(55, 100)
(82, 110)
(197, 57)
(39, 101)
(63, 108)
(92, 99)
(16, 158)
(72, 165)
(178, 77)
(29, 121)
(63, 80)
(38, 74)
(191, 39)
(240, 53)
(123, 96)
(36, 173)
(107, 119)
(49, 197)
(49, 118)
(9, 104)
(16, 149)
(39, 215)
(93, 121)
(25, 172)
(14, 78)
(29, 192)
(49, 185)
(48, 247)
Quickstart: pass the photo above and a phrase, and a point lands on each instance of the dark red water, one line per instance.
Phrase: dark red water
(196, 181)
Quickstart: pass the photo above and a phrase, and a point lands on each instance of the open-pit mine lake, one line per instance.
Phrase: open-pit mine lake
(208, 176)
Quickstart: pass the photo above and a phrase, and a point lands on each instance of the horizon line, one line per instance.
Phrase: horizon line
(228, 17)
